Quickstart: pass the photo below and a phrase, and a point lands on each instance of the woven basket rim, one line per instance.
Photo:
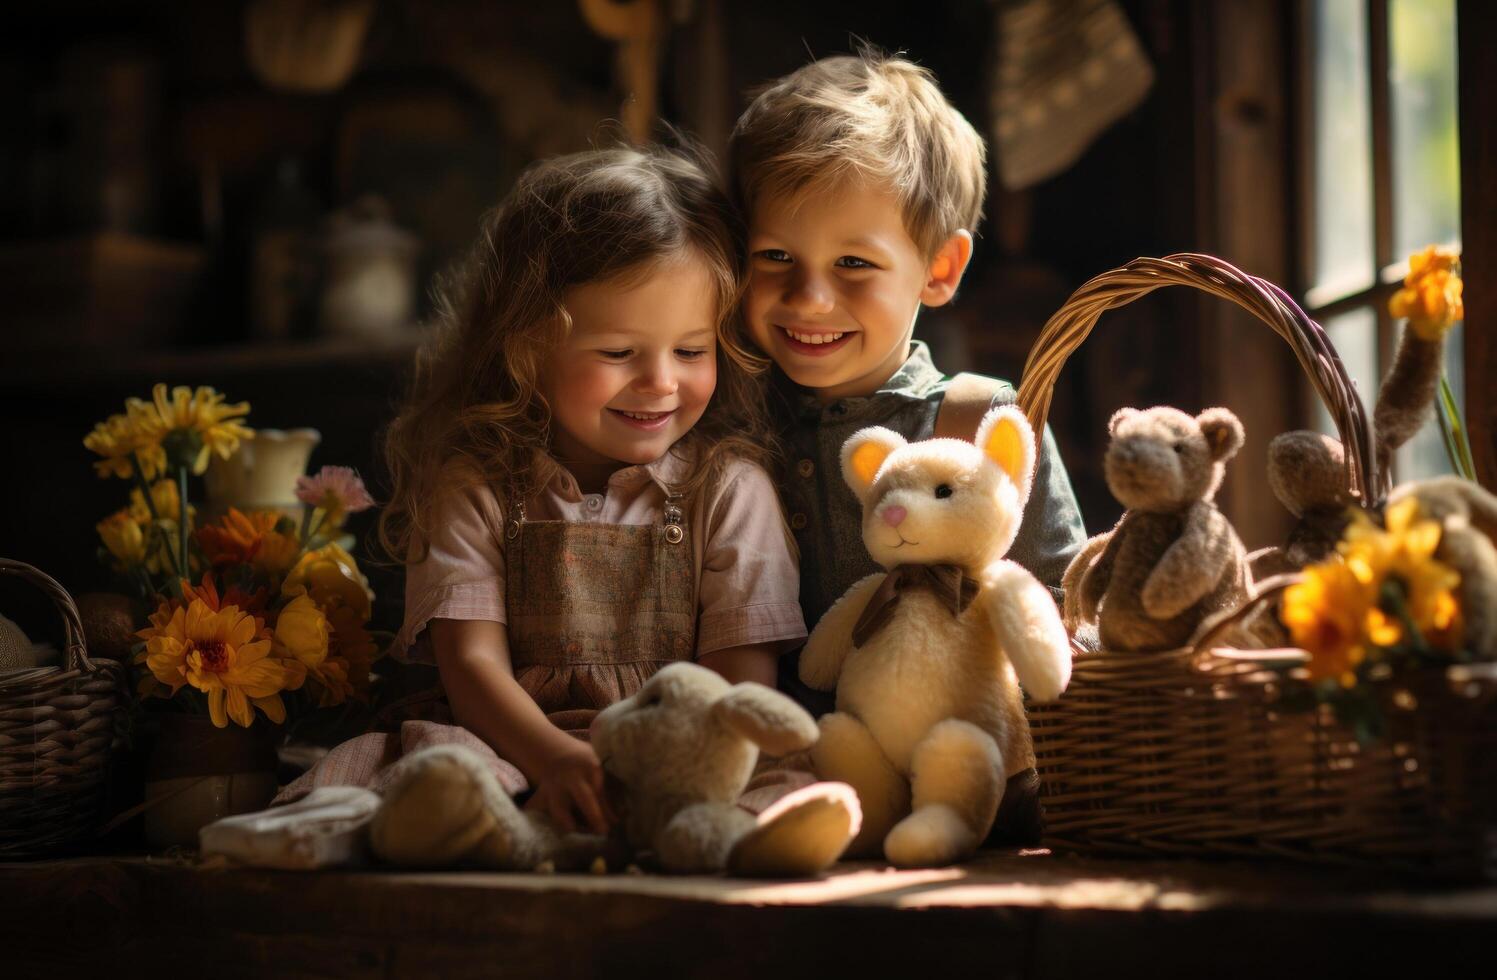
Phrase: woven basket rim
(75, 653)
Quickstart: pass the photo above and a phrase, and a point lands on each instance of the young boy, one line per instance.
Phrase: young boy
(862, 186)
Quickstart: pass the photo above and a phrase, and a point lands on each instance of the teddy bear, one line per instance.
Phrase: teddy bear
(1173, 559)
(1307, 470)
(924, 657)
(677, 754)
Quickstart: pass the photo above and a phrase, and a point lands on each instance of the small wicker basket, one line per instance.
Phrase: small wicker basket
(59, 726)
(1187, 753)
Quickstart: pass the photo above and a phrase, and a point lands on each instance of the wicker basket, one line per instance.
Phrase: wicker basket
(1186, 753)
(59, 727)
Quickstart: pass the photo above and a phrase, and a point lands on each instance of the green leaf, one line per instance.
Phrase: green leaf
(1457, 446)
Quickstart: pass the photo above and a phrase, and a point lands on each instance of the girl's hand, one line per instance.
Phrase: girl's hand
(573, 786)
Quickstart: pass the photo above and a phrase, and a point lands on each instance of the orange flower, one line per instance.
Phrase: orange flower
(276, 554)
(250, 602)
(236, 538)
(1431, 295)
(351, 644)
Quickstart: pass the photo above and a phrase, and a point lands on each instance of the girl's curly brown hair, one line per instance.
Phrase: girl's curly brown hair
(475, 397)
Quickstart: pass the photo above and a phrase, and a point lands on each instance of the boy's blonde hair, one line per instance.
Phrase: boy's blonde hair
(873, 115)
(476, 396)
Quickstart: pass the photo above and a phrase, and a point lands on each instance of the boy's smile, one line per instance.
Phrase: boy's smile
(834, 284)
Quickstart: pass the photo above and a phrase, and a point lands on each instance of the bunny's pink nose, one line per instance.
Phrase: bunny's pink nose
(894, 514)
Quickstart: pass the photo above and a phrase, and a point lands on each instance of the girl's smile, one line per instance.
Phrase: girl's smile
(637, 368)
(646, 421)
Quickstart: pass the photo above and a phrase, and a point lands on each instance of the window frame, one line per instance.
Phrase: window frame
(1389, 268)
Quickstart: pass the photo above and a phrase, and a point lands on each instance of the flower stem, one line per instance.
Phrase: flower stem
(306, 521)
(182, 521)
(145, 491)
(317, 527)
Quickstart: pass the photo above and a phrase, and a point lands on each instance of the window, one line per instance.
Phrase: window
(1380, 175)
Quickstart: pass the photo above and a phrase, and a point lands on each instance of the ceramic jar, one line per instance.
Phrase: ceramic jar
(262, 474)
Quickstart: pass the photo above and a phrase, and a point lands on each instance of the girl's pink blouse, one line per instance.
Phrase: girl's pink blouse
(748, 581)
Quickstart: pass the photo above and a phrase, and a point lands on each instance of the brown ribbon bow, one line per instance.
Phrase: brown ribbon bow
(947, 581)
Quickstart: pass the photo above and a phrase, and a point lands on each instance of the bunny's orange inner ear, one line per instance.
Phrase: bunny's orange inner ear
(866, 459)
(1005, 446)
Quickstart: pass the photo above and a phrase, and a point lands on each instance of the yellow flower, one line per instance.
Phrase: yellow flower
(1324, 613)
(304, 634)
(1404, 551)
(164, 498)
(302, 631)
(161, 534)
(331, 576)
(191, 425)
(225, 654)
(116, 439)
(1431, 295)
(124, 539)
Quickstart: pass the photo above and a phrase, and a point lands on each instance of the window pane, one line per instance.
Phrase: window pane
(1354, 335)
(1343, 152)
(1424, 455)
(1426, 157)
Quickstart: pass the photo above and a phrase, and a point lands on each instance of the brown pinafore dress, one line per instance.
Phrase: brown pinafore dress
(593, 610)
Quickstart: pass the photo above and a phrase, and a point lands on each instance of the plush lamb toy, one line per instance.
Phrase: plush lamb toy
(1173, 559)
(678, 752)
(929, 721)
(1468, 530)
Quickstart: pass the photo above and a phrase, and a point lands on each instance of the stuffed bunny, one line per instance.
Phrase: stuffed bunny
(678, 754)
(929, 720)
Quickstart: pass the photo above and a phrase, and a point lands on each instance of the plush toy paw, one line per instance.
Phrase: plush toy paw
(933, 835)
(803, 834)
(442, 807)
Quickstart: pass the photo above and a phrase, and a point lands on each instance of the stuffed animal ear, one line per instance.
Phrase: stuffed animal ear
(1004, 436)
(767, 718)
(1222, 431)
(862, 455)
(1118, 418)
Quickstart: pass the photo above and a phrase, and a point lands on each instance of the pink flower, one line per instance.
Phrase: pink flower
(337, 490)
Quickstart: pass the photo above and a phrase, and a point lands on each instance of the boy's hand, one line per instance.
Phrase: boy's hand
(572, 787)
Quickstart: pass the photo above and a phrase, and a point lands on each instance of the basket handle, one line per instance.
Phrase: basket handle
(1071, 324)
(75, 653)
(1263, 592)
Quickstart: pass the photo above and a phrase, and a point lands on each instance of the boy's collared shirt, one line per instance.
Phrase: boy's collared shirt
(827, 519)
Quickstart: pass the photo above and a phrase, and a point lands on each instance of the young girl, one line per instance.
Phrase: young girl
(577, 478)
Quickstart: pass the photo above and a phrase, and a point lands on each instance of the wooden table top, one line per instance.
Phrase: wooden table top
(1005, 914)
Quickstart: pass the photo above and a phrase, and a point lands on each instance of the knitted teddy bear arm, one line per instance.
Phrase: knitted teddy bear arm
(1096, 579)
(1191, 567)
(831, 641)
(1026, 625)
(1070, 582)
